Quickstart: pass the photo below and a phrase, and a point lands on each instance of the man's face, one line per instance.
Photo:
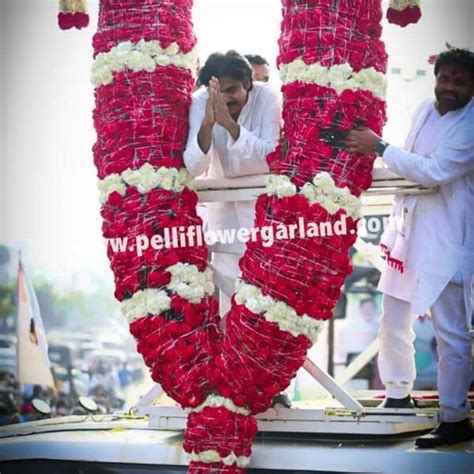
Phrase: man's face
(261, 72)
(454, 87)
(235, 94)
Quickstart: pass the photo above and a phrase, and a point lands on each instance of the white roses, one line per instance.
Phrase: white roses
(142, 56)
(277, 312)
(339, 77)
(145, 179)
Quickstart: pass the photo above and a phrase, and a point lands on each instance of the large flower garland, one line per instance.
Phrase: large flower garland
(332, 64)
(143, 73)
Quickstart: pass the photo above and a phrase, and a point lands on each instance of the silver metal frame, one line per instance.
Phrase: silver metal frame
(350, 416)
(248, 188)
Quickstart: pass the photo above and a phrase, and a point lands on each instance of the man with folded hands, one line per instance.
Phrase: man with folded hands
(234, 124)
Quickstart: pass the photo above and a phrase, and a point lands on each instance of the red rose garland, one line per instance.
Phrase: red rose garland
(73, 14)
(143, 73)
(332, 63)
(403, 12)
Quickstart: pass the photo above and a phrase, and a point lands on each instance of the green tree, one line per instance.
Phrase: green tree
(74, 308)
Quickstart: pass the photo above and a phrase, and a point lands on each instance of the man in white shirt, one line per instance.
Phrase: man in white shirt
(234, 125)
(357, 331)
(260, 67)
(429, 245)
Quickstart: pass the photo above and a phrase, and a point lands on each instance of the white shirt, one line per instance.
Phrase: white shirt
(440, 153)
(260, 121)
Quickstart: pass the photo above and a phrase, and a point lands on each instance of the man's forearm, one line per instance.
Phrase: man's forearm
(233, 129)
(205, 137)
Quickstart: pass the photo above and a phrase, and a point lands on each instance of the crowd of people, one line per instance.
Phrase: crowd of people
(105, 383)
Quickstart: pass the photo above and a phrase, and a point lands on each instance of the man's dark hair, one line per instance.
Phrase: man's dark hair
(256, 59)
(231, 64)
(458, 56)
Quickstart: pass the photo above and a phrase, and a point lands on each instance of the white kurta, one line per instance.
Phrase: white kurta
(260, 121)
(439, 152)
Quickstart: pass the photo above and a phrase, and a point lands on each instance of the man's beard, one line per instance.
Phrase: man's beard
(450, 100)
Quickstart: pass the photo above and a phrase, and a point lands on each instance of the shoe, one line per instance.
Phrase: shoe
(406, 402)
(447, 434)
(281, 401)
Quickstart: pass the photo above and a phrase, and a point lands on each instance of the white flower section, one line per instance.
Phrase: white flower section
(78, 5)
(145, 302)
(339, 77)
(142, 56)
(217, 401)
(73, 6)
(213, 456)
(189, 283)
(402, 4)
(186, 280)
(112, 183)
(280, 186)
(323, 190)
(277, 312)
(145, 179)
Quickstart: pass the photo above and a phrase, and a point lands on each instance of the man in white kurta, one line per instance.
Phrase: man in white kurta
(234, 125)
(429, 245)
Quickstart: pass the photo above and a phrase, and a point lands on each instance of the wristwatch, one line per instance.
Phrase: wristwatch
(380, 147)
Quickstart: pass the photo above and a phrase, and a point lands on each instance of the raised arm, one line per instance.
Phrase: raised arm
(453, 158)
(248, 149)
(197, 155)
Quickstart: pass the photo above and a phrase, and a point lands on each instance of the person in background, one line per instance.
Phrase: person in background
(125, 376)
(429, 245)
(355, 334)
(62, 407)
(260, 67)
(359, 330)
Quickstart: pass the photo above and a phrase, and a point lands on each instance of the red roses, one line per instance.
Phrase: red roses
(68, 20)
(410, 14)
(141, 117)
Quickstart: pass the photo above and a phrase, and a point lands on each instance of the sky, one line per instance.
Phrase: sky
(48, 195)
